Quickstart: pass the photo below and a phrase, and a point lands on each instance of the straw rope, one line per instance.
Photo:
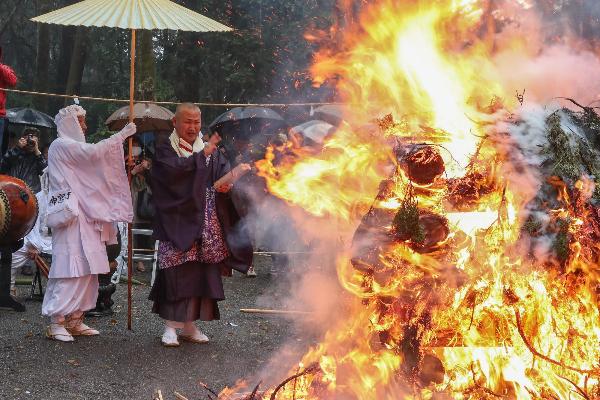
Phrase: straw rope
(105, 99)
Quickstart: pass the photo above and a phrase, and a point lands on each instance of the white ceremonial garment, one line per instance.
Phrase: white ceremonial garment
(65, 296)
(95, 175)
(38, 238)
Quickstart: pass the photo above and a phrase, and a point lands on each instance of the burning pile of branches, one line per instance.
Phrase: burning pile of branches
(563, 212)
(475, 269)
(451, 297)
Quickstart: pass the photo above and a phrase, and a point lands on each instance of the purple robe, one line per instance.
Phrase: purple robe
(179, 194)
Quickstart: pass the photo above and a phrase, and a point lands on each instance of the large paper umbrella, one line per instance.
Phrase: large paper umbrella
(133, 15)
(30, 117)
(147, 117)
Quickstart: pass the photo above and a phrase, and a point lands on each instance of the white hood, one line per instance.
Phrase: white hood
(67, 123)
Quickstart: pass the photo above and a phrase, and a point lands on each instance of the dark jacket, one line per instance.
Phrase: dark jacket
(24, 165)
(179, 194)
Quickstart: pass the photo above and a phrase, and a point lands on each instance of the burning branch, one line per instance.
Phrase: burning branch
(205, 386)
(252, 395)
(595, 372)
(579, 390)
(311, 369)
(478, 386)
(521, 97)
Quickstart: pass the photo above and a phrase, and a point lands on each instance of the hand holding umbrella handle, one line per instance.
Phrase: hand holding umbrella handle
(127, 131)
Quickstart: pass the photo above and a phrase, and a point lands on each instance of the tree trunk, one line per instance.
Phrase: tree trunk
(42, 60)
(66, 51)
(146, 67)
(63, 63)
(77, 62)
(9, 18)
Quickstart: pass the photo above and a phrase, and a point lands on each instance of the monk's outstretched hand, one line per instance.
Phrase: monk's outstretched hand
(215, 138)
(209, 148)
(211, 145)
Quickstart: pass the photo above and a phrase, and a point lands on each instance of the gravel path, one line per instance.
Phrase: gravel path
(120, 364)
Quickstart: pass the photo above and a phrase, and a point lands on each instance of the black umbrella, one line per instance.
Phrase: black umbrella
(315, 130)
(29, 116)
(245, 122)
(239, 113)
(245, 129)
(331, 113)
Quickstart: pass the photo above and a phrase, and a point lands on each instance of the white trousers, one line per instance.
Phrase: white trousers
(19, 258)
(66, 296)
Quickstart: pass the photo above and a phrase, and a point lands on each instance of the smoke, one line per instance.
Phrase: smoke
(524, 142)
(557, 71)
(303, 250)
(547, 55)
(592, 8)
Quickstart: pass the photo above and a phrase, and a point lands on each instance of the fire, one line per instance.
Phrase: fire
(345, 174)
(448, 304)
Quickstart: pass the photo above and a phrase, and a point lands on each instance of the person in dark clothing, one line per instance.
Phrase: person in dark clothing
(8, 79)
(197, 225)
(25, 161)
(106, 288)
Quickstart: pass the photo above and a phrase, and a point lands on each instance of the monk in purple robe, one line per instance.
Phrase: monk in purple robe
(200, 237)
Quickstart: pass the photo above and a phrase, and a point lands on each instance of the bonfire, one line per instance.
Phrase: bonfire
(473, 210)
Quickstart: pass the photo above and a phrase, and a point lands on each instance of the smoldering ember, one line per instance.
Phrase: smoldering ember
(300, 200)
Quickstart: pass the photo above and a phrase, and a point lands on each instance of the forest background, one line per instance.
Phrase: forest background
(265, 60)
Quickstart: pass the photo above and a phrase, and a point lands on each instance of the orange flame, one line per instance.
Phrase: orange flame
(501, 324)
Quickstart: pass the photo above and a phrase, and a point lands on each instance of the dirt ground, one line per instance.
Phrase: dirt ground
(122, 364)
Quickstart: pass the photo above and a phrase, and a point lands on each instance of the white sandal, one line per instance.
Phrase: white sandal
(196, 337)
(76, 327)
(169, 340)
(58, 332)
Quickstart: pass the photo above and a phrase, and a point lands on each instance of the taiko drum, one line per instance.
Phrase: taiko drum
(18, 209)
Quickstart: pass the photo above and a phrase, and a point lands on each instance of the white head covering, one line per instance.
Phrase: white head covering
(67, 123)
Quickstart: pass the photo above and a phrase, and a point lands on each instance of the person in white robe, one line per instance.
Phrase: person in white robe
(89, 193)
(38, 240)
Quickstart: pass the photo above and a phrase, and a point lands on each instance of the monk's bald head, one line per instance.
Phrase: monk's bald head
(187, 107)
(187, 122)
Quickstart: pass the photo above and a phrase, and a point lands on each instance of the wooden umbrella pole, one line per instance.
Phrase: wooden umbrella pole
(129, 167)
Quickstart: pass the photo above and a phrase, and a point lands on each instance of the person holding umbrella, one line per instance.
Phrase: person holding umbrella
(8, 79)
(25, 161)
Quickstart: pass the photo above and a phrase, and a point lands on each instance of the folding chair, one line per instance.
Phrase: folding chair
(146, 254)
(138, 254)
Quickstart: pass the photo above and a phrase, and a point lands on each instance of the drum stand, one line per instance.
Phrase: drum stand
(6, 299)
(36, 283)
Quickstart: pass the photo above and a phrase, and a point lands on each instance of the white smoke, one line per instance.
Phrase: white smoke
(556, 71)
